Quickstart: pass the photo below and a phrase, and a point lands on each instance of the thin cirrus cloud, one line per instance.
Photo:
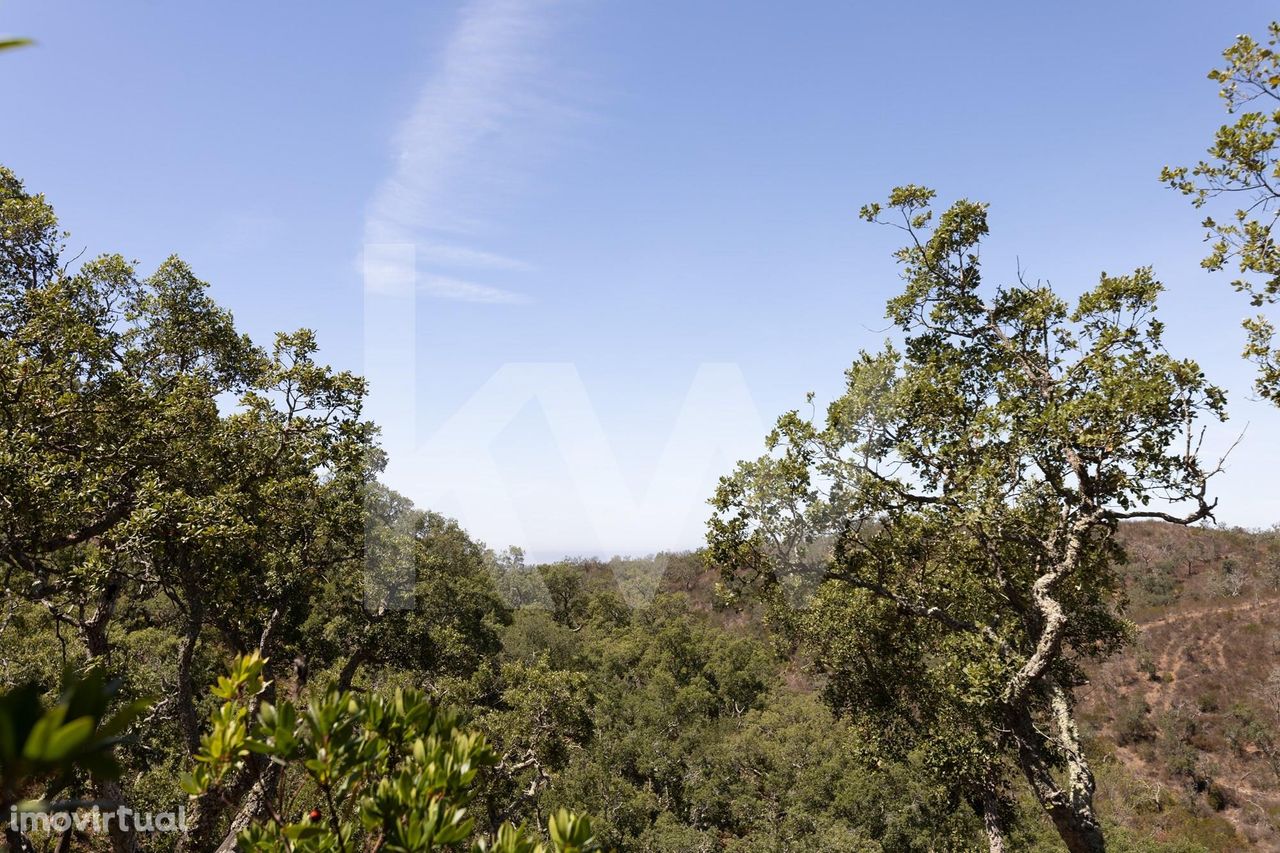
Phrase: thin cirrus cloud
(462, 256)
(455, 150)
(445, 287)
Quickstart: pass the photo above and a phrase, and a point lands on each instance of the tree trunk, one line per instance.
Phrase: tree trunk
(350, 668)
(124, 839)
(208, 809)
(257, 805)
(1080, 781)
(993, 822)
(94, 634)
(16, 841)
(1072, 813)
(185, 699)
(94, 630)
(64, 841)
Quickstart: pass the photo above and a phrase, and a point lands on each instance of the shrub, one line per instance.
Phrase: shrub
(397, 771)
(1133, 722)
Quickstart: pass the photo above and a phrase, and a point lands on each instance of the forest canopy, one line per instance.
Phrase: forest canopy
(889, 642)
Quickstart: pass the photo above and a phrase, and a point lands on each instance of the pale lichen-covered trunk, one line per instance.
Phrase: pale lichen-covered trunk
(993, 823)
(257, 805)
(1071, 810)
(1080, 780)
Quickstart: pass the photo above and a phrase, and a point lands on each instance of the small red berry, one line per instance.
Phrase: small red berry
(315, 814)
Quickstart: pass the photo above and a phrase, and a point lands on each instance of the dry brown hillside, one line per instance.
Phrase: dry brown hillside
(1185, 723)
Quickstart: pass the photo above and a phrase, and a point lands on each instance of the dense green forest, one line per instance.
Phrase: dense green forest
(894, 640)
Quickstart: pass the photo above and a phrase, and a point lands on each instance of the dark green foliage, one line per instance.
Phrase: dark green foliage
(447, 625)
(676, 735)
(1249, 730)
(518, 584)
(183, 496)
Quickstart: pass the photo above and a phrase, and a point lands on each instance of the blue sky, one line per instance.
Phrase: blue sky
(639, 217)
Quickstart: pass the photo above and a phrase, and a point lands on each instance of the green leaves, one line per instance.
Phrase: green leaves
(225, 747)
(967, 488)
(76, 734)
(571, 833)
(245, 678)
(392, 768)
(52, 739)
(1243, 165)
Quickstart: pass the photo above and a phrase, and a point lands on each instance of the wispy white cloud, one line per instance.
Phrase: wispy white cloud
(462, 256)
(444, 287)
(452, 151)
